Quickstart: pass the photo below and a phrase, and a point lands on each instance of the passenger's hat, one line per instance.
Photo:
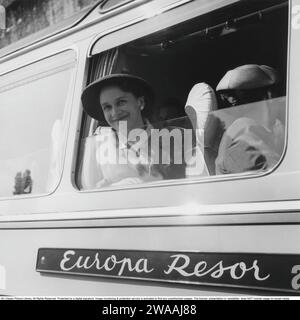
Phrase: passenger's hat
(90, 96)
(249, 76)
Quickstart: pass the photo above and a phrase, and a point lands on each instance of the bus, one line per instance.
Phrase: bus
(206, 232)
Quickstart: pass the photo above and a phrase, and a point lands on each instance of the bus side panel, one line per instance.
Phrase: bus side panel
(19, 250)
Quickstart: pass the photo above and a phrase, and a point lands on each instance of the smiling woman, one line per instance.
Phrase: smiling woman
(119, 101)
(116, 97)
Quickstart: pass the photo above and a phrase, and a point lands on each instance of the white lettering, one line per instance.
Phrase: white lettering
(243, 269)
(110, 263)
(97, 262)
(79, 264)
(256, 272)
(193, 156)
(181, 262)
(164, 149)
(296, 279)
(123, 264)
(105, 310)
(66, 259)
(106, 153)
(119, 310)
(142, 266)
(179, 269)
(154, 146)
(140, 146)
(197, 268)
(113, 259)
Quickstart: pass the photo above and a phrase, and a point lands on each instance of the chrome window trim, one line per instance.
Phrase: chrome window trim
(272, 213)
(127, 4)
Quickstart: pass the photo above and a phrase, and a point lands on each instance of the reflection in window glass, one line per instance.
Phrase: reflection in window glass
(33, 124)
(216, 110)
(245, 138)
(24, 18)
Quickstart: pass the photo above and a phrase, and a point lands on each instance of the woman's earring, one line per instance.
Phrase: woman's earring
(142, 107)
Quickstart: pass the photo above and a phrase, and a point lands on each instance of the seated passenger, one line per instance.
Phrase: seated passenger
(246, 144)
(125, 153)
(246, 84)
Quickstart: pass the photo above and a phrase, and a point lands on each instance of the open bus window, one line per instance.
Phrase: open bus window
(33, 119)
(215, 123)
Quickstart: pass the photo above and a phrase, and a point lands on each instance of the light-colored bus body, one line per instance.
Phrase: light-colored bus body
(248, 214)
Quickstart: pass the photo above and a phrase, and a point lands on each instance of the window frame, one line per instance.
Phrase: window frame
(113, 34)
(68, 107)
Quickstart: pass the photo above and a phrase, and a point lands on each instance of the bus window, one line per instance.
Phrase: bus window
(37, 19)
(218, 108)
(33, 119)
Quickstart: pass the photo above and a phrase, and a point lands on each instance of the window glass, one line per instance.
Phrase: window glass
(33, 125)
(25, 18)
(216, 104)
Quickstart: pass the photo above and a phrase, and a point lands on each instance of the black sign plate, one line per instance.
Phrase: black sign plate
(279, 272)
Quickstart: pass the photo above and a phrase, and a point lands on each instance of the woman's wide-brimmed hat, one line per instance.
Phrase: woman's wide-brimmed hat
(90, 96)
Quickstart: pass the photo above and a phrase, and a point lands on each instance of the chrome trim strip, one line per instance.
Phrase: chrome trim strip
(128, 3)
(142, 219)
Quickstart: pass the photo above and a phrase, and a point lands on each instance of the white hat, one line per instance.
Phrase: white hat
(249, 76)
